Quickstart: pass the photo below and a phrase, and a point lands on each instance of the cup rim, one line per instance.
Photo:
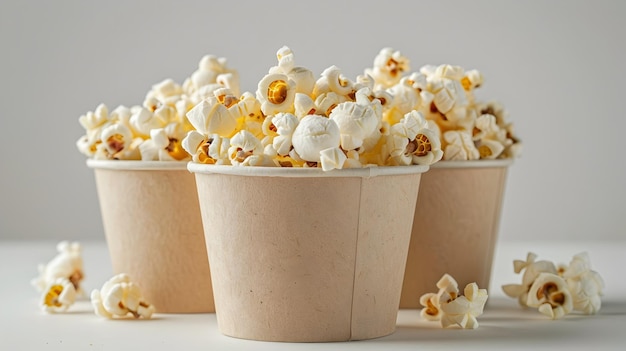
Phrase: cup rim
(503, 162)
(138, 165)
(298, 172)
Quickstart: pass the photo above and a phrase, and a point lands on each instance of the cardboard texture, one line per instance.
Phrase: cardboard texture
(154, 233)
(312, 259)
(455, 229)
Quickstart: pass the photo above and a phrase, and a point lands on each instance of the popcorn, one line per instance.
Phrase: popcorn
(164, 144)
(313, 134)
(558, 292)
(67, 264)
(212, 117)
(276, 92)
(459, 146)
(584, 284)
(58, 296)
(413, 142)
(356, 121)
(119, 297)
(450, 308)
(389, 65)
(550, 294)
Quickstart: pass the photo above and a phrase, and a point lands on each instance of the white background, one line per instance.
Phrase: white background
(558, 67)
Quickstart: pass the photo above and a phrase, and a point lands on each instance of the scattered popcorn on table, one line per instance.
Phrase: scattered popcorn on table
(58, 296)
(557, 292)
(119, 298)
(67, 264)
(450, 308)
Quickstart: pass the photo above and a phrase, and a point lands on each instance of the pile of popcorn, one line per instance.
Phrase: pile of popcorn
(557, 291)
(384, 117)
(59, 284)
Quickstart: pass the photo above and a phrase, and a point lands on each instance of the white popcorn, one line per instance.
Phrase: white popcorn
(209, 69)
(212, 117)
(164, 144)
(389, 65)
(405, 99)
(58, 296)
(208, 150)
(230, 81)
(333, 81)
(276, 92)
(490, 138)
(450, 308)
(550, 294)
(313, 134)
(118, 142)
(120, 297)
(464, 309)
(412, 141)
(532, 269)
(93, 120)
(67, 264)
(459, 146)
(303, 77)
(244, 145)
(304, 105)
(285, 124)
(584, 284)
(144, 120)
(356, 121)
(326, 102)
(332, 158)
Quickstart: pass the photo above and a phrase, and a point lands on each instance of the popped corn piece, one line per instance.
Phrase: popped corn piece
(490, 139)
(67, 264)
(326, 102)
(450, 308)
(119, 297)
(208, 150)
(459, 146)
(313, 134)
(550, 294)
(209, 68)
(405, 99)
(285, 124)
(212, 117)
(412, 141)
(164, 144)
(389, 65)
(356, 121)
(532, 269)
(243, 146)
(303, 77)
(333, 81)
(431, 310)
(332, 158)
(117, 142)
(276, 92)
(304, 105)
(58, 296)
(584, 284)
(464, 309)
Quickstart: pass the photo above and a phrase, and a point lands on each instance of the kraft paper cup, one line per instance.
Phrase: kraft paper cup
(455, 228)
(154, 233)
(303, 255)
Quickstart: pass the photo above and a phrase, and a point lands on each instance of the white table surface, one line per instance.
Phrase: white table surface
(504, 325)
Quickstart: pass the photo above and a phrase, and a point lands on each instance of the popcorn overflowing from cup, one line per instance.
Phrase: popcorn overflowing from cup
(387, 116)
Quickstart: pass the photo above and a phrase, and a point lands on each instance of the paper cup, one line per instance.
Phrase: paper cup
(302, 255)
(455, 227)
(154, 231)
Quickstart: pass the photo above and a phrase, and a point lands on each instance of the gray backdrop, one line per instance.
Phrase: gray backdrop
(558, 66)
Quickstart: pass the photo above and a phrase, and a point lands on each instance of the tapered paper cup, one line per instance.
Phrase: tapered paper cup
(154, 233)
(455, 227)
(303, 255)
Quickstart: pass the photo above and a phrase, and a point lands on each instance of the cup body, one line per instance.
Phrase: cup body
(455, 227)
(302, 255)
(154, 233)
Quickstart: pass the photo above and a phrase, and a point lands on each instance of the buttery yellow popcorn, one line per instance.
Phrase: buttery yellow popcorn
(451, 308)
(389, 65)
(119, 298)
(276, 92)
(412, 141)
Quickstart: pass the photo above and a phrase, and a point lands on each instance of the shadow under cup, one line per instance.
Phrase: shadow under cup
(455, 228)
(153, 230)
(303, 255)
